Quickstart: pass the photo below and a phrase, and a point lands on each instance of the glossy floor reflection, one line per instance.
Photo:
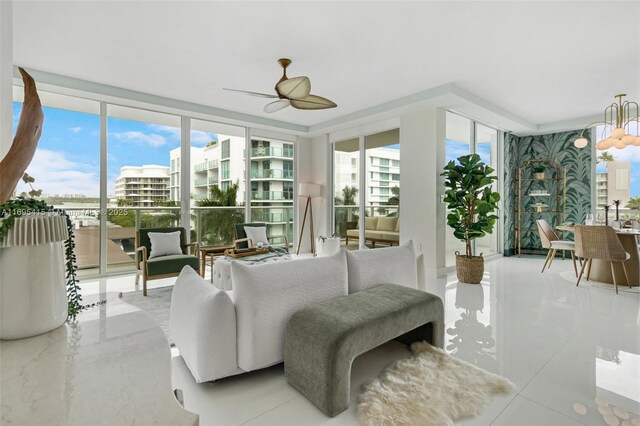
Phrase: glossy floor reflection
(573, 354)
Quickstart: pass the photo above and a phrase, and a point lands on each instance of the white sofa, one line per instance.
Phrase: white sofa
(222, 333)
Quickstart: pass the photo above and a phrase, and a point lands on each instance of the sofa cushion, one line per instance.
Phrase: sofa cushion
(397, 226)
(171, 264)
(353, 232)
(203, 327)
(164, 243)
(370, 222)
(266, 296)
(387, 235)
(393, 265)
(386, 223)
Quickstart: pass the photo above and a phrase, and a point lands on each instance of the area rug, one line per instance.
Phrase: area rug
(157, 303)
(571, 276)
(429, 388)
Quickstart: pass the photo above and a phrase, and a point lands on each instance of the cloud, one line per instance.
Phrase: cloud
(57, 174)
(198, 137)
(75, 130)
(153, 140)
(630, 153)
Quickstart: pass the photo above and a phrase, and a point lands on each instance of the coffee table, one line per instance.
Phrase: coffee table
(212, 252)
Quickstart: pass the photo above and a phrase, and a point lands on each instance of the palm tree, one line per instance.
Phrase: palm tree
(605, 158)
(634, 203)
(343, 215)
(217, 224)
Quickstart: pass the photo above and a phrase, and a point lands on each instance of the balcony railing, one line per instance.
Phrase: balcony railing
(272, 152)
(201, 182)
(207, 165)
(271, 195)
(272, 174)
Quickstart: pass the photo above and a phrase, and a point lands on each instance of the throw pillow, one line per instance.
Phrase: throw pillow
(386, 224)
(370, 222)
(390, 265)
(257, 234)
(164, 243)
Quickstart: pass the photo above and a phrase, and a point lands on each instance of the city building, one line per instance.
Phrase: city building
(614, 183)
(383, 173)
(143, 186)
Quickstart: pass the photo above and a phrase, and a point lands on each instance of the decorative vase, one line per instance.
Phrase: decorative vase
(328, 246)
(469, 269)
(539, 176)
(33, 294)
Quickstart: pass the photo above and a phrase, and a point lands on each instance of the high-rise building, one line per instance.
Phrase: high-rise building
(383, 173)
(614, 183)
(143, 186)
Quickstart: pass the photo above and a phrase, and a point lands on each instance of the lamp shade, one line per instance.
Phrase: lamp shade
(580, 142)
(309, 190)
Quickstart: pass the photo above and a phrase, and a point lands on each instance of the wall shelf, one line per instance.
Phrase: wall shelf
(556, 188)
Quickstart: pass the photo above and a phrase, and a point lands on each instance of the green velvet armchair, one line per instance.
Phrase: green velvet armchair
(163, 266)
(240, 239)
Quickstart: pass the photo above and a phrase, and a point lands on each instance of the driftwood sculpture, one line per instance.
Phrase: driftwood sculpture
(14, 164)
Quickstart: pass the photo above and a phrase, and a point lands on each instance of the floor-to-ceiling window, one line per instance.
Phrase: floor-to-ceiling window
(366, 184)
(272, 176)
(217, 181)
(139, 179)
(382, 194)
(464, 136)
(142, 155)
(346, 184)
(66, 169)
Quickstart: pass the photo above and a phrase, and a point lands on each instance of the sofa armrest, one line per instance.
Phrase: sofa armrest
(203, 327)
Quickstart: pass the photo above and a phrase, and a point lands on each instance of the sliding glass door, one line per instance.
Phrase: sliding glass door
(366, 184)
(465, 136)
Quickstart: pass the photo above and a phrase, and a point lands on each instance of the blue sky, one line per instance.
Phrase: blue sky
(67, 160)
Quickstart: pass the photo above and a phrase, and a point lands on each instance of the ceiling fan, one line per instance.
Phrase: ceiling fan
(293, 91)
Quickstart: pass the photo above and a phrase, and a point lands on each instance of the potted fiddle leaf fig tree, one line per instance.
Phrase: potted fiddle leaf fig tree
(472, 204)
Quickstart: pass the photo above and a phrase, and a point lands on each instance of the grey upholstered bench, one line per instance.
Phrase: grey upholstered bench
(322, 341)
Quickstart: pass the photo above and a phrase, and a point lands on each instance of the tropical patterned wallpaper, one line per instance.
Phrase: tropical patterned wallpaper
(558, 146)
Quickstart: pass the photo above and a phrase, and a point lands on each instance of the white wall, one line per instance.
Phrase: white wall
(6, 77)
(422, 154)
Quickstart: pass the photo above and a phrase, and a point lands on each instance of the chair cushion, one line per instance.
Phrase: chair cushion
(257, 234)
(386, 223)
(171, 264)
(164, 243)
(240, 233)
(353, 232)
(143, 236)
(370, 222)
(563, 245)
(392, 265)
(267, 295)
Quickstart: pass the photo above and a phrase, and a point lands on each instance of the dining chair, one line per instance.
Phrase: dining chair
(550, 241)
(600, 242)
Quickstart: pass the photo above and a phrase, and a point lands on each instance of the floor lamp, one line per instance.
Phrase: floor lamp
(308, 190)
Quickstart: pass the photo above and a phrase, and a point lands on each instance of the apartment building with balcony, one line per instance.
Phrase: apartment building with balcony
(143, 186)
(383, 173)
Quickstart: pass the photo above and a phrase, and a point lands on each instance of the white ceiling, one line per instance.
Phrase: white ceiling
(542, 61)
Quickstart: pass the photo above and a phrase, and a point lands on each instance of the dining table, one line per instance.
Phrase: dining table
(601, 270)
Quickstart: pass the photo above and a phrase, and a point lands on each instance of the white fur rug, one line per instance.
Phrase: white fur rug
(429, 388)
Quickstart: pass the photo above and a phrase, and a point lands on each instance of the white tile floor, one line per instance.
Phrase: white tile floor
(560, 345)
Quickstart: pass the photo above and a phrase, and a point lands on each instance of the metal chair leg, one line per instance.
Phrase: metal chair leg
(581, 272)
(624, 268)
(553, 254)
(613, 273)
(546, 260)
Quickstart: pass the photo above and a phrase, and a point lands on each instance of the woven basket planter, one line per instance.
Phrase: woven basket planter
(469, 268)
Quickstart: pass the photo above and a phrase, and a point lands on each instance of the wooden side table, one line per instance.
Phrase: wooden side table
(210, 251)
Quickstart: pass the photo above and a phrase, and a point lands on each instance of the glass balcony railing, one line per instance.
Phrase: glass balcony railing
(271, 195)
(271, 152)
(272, 174)
(213, 180)
(207, 165)
(201, 182)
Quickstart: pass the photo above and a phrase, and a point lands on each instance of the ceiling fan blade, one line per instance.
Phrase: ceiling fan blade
(260, 95)
(294, 88)
(276, 105)
(313, 102)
